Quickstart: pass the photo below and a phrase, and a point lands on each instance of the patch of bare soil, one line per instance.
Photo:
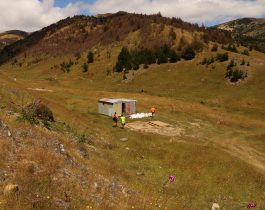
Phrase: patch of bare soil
(156, 127)
(40, 89)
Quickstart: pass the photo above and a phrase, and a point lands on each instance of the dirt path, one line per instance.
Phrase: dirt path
(244, 153)
(40, 89)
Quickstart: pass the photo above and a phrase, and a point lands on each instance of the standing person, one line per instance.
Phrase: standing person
(122, 121)
(153, 110)
(115, 120)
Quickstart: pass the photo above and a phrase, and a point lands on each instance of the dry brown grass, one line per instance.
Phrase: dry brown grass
(210, 160)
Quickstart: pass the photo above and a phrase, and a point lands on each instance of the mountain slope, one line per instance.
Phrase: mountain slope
(10, 37)
(247, 31)
(80, 33)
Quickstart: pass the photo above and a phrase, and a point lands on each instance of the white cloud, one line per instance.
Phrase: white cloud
(200, 11)
(30, 15)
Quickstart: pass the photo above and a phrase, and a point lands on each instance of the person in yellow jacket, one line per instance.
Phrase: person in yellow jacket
(122, 120)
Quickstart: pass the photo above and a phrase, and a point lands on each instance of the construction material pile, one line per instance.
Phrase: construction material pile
(140, 115)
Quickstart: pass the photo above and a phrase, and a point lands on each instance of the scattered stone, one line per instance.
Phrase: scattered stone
(9, 134)
(11, 188)
(3, 175)
(61, 148)
(96, 186)
(3, 125)
(124, 139)
(140, 173)
(83, 152)
(127, 191)
(22, 133)
(61, 203)
(215, 206)
(10, 113)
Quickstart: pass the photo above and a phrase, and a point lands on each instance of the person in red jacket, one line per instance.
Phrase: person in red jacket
(153, 110)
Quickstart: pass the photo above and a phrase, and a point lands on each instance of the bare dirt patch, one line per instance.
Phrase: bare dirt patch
(156, 127)
(40, 89)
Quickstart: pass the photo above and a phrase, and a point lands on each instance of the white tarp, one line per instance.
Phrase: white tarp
(140, 115)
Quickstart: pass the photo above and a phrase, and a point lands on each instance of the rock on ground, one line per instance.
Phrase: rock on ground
(215, 206)
(10, 188)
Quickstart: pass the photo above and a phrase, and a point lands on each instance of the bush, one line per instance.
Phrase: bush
(222, 57)
(90, 57)
(233, 73)
(197, 45)
(243, 62)
(85, 67)
(207, 61)
(236, 74)
(232, 48)
(215, 48)
(66, 67)
(135, 66)
(77, 56)
(161, 57)
(245, 52)
(29, 115)
(231, 65)
(36, 110)
(188, 53)
(174, 57)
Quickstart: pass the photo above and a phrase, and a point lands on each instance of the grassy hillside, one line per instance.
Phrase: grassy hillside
(217, 155)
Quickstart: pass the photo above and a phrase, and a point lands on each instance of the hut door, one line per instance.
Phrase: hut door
(123, 108)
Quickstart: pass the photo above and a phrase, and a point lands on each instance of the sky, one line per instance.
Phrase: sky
(31, 15)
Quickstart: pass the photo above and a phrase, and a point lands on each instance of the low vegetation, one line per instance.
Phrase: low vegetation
(234, 74)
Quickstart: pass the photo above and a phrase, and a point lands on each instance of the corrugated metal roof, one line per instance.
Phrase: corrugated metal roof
(117, 100)
(126, 100)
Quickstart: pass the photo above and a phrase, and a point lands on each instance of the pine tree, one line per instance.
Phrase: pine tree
(90, 57)
(124, 60)
(188, 53)
(85, 67)
(174, 57)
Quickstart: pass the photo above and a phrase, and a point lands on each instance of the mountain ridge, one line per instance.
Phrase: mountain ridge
(11, 36)
(249, 32)
(79, 33)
